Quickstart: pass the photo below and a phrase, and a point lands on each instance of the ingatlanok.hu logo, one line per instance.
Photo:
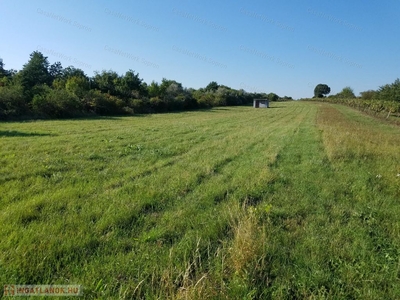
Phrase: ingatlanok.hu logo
(42, 290)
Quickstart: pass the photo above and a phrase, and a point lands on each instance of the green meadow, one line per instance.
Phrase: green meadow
(299, 201)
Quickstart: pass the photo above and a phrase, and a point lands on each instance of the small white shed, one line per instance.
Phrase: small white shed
(261, 103)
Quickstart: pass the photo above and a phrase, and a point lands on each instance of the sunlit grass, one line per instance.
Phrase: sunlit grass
(296, 201)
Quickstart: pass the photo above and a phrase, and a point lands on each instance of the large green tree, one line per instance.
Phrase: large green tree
(35, 73)
(321, 90)
(129, 85)
(153, 89)
(273, 97)
(56, 70)
(77, 85)
(71, 71)
(166, 83)
(106, 81)
(390, 91)
(212, 86)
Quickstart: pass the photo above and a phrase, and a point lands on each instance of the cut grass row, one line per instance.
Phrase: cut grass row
(298, 201)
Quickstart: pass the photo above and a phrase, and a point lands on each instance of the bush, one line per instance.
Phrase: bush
(157, 104)
(140, 105)
(206, 100)
(76, 85)
(189, 102)
(369, 95)
(12, 102)
(390, 92)
(56, 103)
(103, 103)
(178, 103)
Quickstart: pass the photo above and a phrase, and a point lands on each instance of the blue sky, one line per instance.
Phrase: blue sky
(285, 47)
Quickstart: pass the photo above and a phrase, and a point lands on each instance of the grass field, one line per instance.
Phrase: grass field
(299, 201)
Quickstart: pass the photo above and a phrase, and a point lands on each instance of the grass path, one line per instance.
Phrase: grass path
(296, 201)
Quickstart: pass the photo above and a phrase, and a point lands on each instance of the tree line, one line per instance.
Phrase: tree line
(387, 92)
(384, 101)
(41, 89)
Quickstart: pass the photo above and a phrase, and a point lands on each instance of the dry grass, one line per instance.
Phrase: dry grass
(343, 135)
(248, 242)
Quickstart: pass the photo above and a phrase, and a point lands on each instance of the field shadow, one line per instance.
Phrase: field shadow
(96, 118)
(34, 119)
(14, 133)
(212, 110)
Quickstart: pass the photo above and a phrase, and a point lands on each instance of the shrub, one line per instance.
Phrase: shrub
(157, 104)
(12, 101)
(76, 85)
(56, 103)
(206, 100)
(103, 103)
(369, 95)
(139, 105)
(390, 92)
(189, 102)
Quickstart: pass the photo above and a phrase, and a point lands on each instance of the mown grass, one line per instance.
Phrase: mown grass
(297, 201)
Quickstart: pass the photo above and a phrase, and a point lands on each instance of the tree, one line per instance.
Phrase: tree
(390, 91)
(221, 96)
(153, 89)
(35, 72)
(3, 72)
(174, 89)
(77, 85)
(106, 81)
(12, 101)
(286, 98)
(321, 90)
(165, 84)
(368, 95)
(4, 75)
(56, 70)
(71, 71)
(129, 85)
(212, 86)
(347, 92)
(56, 103)
(273, 97)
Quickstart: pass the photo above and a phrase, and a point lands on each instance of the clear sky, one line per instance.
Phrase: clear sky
(285, 47)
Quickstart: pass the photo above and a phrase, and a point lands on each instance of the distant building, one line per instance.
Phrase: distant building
(261, 103)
